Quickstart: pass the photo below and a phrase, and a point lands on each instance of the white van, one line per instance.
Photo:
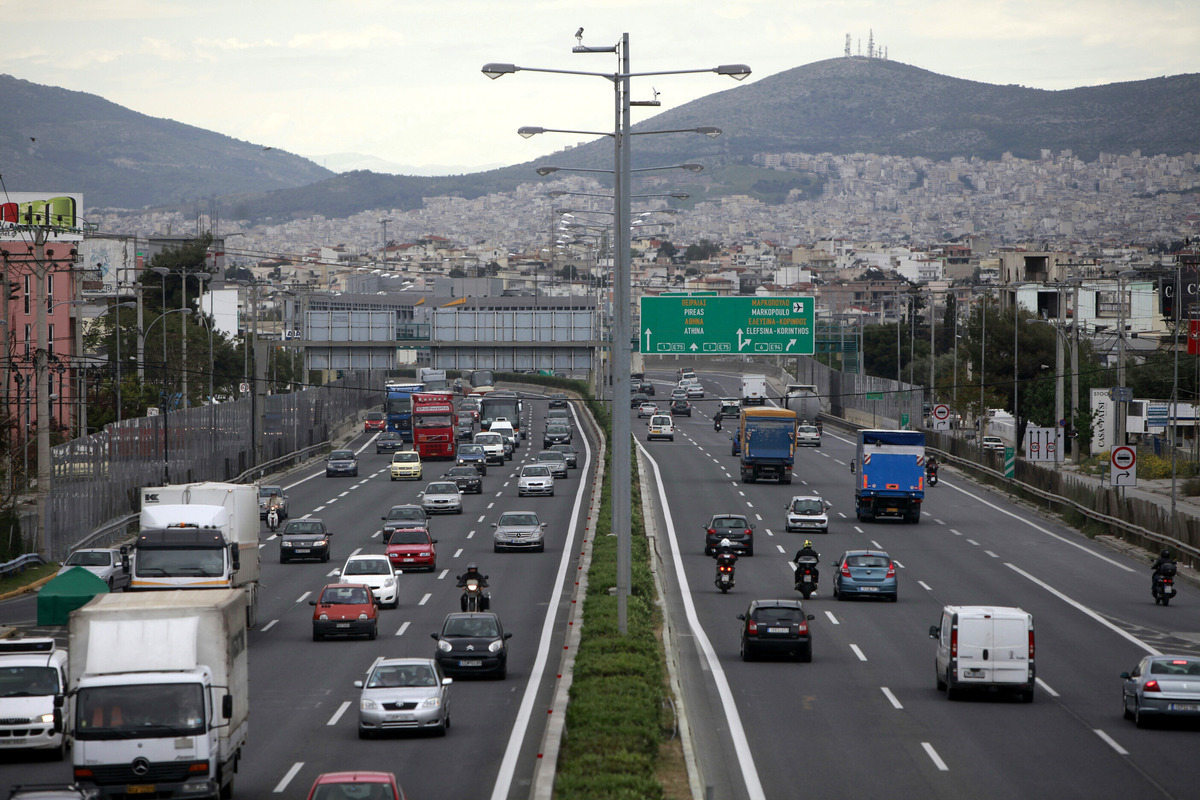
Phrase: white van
(984, 646)
(503, 427)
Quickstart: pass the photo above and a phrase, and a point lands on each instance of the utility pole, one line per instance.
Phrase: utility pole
(40, 269)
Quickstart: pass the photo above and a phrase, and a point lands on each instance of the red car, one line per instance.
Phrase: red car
(375, 421)
(367, 785)
(411, 549)
(344, 609)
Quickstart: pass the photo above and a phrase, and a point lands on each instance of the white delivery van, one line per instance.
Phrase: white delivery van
(984, 647)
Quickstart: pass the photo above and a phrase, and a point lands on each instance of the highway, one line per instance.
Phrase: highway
(303, 705)
(864, 718)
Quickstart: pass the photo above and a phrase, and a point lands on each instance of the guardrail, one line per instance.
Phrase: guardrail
(20, 564)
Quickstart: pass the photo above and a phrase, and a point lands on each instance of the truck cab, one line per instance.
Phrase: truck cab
(33, 685)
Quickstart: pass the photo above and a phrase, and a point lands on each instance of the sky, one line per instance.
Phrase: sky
(401, 81)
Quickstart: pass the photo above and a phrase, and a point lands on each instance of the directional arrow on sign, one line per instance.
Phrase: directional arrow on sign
(694, 347)
(647, 347)
(741, 343)
(789, 344)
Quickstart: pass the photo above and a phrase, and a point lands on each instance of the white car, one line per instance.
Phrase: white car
(505, 428)
(808, 435)
(375, 571)
(993, 443)
(660, 426)
(493, 447)
(647, 410)
(809, 513)
(535, 479)
(695, 390)
(442, 497)
(103, 562)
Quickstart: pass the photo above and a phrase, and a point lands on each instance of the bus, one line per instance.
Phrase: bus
(501, 404)
(397, 405)
(479, 381)
(434, 424)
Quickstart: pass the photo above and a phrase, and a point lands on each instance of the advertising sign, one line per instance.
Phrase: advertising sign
(1104, 428)
(56, 211)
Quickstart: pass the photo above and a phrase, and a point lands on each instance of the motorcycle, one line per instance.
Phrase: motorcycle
(932, 472)
(724, 580)
(717, 423)
(1163, 587)
(272, 518)
(474, 598)
(806, 576)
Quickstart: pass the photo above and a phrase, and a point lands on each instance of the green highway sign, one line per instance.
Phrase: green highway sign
(874, 395)
(702, 325)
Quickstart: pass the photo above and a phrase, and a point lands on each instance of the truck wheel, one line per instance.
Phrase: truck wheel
(226, 792)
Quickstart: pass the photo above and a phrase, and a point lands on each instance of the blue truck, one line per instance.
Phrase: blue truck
(890, 475)
(766, 442)
(398, 406)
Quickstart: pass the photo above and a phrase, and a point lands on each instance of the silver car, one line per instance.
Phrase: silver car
(103, 562)
(442, 497)
(518, 530)
(535, 479)
(807, 512)
(556, 461)
(404, 694)
(1160, 687)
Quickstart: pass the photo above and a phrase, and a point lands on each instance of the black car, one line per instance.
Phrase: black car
(466, 478)
(777, 628)
(473, 642)
(569, 452)
(389, 442)
(557, 400)
(341, 462)
(556, 434)
(404, 516)
(637, 398)
(681, 408)
(646, 387)
(304, 538)
(734, 527)
(466, 430)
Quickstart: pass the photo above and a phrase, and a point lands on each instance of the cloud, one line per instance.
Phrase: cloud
(231, 43)
(362, 39)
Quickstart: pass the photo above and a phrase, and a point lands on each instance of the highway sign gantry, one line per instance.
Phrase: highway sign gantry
(725, 325)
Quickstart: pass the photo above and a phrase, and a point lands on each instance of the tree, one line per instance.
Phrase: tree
(701, 251)
(666, 251)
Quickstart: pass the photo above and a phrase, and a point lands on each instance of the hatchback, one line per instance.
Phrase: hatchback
(374, 421)
(388, 442)
(375, 571)
(807, 513)
(442, 497)
(411, 549)
(406, 465)
(556, 434)
(473, 642)
(776, 627)
(695, 390)
(808, 435)
(734, 527)
(359, 784)
(472, 455)
(993, 443)
(341, 462)
(404, 694)
(557, 400)
(637, 398)
(865, 573)
(681, 407)
(678, 393)
(1161, 687)
(104, 563)
(344, 609)
(304, 538)
(647, 410)
(466, 478)
(404, 516)
(535, 479)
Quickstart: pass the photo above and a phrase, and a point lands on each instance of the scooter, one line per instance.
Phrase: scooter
(474, 598)
(806, 576)
(1163, 588)
(272, 518)
(724, 580)
(931, 472)
(717, 423)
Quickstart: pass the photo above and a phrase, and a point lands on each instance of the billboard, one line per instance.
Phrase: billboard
(55, 210)
(103, 262)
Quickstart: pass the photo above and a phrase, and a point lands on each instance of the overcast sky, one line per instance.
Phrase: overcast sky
(401, 81)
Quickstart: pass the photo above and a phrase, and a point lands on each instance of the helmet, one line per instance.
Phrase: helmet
(807, 543)
(472, 568)
(1166, 554)
(725, 543)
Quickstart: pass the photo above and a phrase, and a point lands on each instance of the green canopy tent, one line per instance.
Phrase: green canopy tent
(58, 598)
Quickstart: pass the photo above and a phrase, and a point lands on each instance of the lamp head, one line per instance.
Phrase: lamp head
(739, 72)
(709, 131)
(692, 167)
(495, 70)
(543, 171)
(525, 131)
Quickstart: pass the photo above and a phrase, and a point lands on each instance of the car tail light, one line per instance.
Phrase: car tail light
(751, 627)
(1031, 645)
(845, 570)
(712, 532)
(891, 573)
(1151, 686)
(802, 627)
(746, 532)
(954, 643)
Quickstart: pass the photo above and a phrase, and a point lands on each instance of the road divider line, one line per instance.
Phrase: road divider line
(424, 599)
(1081, 607)
(443, 575)
(934, 757)
(481, 516)
(403, 628)
(768, 530)
(315, 510)
(858, 652)
(1110, 742)
(268, 626)
(972, 541)
(891, 698)
(343, 494)
(832, 618)
(1045, 687)
(338, 714)
(781, 550)
(877, 545)
(457, 553)
(471, 534)
(925, 586)
(858, 529)
(990, 553)
(291, 773)
(302, 597)
(956, 533)
(897, 563)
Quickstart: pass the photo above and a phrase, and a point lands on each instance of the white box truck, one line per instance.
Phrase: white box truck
(198, 536)
(160, 687)
(754, 390)
(985, 647)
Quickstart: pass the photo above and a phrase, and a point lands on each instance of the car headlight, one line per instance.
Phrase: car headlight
(287, 544)
(496, 646)
(320, 543)
(47, 718)
(362, 616)
(366, 704)
(389, 582)
(323, 617)
(423, 555)
(444, 646)
(431, 702)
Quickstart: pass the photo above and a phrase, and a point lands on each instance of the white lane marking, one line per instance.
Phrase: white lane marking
(343, 494)
(858, 529)
(1080, 606)
(925, 586)
(469, 535)
(781, 549)
(318, 508)
(356, 551)
(268, 626)
(939, 521)
(1045, 687)
(891, 698)
(749, 504)
(338, 714)
(403, 628)
(972, 541)
(1109, 741)
(832, 618)
(291, 773)
(768, 530)
(457, 553)
(443, 575)
(843, 516)
(333, 573)
(481, 516)
(376, 533)
(937, 760)
(743, 494)
(858, 652)
(328, 502)
(990, 553)
(877, 545)
(956, 533)
(897, 563)
(502, 486)
(756, 514)
(302, 597)
(489, 505)
(1040, 529)
(425, 599)
(261, 546)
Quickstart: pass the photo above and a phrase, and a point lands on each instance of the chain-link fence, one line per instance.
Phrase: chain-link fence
(96, 479)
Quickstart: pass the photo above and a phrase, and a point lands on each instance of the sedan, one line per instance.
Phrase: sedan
(406, 465)
(553, 459)
(472, 455)
(344, 609)
(340, 785)
(808, 435)
(865, 573)
(404, 516)
(466, 478)
(695, 390)
(466, 430)
(776, 627)
(341, 462)
(734, 527)
(411, 549)
(556, 434)
(518, 530)
(304, 538)
(535, 479)
(993, 443)
(473, 642)
(375, 571)
(1161, 687)
(404, 694)
(442, 497)
(637, 398)
(647, 410)
(389, 442)
(104, 563)
(678, 394)
(569, 453)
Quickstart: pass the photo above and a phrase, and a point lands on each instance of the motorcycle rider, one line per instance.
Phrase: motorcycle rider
(725, 553)
(273, 512)
(1159, 566)
(931, 467)
(717, 422)
(807, 551)
(474, 573)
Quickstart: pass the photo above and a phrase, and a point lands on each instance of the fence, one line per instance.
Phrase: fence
(96, 480)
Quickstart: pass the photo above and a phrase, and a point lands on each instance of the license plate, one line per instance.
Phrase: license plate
(302, 550)
(1184, 707)
(868, 588)
(778, 630)
(408, 559)
(472, 663)
(343, 624)
(140, 788)
(893, 510)
(400, 717)
(808, 578)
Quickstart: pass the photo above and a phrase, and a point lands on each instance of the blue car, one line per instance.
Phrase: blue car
(865, 573)
(472, 455)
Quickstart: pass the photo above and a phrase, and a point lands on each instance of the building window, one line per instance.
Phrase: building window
(50, 342)
(27, 338)
(27, 287)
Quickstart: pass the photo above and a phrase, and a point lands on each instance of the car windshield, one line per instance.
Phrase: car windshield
(518, 519)
(470, 450)
(345, 595)
(28, 681)
(810, 429)
(728, 522)
(406, 512)
(563, 448)
(477, 627)
(92, 559)
(808, 506)
(397, 675)
(302, 527)
(367, 566)
(388, 436)
(409, 537)
(341, 455)
(462, 472)
(557, 429)
(775, 614)
(550, 455)
(442, 488)
(487, 438)
(534, 471)
(405, 457)
(868, 561)
(374, 416)
(265, 492)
